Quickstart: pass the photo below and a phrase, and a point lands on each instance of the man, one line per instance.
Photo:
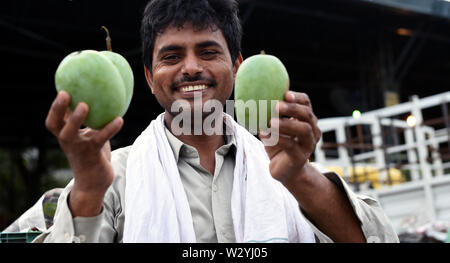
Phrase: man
(202, 188)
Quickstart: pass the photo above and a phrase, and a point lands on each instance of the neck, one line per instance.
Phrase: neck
(204, 142)
(206, 145)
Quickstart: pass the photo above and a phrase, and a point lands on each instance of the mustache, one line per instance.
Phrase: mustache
(187, 79)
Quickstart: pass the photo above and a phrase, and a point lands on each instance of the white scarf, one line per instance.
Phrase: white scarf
(157, 209)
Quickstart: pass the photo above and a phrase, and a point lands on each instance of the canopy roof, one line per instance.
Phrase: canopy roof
(344, 54)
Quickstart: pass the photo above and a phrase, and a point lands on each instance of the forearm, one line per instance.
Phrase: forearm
(86, 196)
(326, 205)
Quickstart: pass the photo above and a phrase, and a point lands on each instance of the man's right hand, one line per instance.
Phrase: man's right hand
(88, 152)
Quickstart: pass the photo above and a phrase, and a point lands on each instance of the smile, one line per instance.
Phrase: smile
(193, 88)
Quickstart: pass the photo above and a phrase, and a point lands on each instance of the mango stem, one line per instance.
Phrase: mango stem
(108, 39)
(263, 52)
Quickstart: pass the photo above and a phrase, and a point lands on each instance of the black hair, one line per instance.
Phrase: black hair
(215, 14)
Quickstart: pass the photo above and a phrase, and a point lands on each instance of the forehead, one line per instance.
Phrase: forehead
(188, 36)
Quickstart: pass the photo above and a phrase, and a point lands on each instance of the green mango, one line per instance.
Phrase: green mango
(103, 80)
(125, 72)
(261, 81)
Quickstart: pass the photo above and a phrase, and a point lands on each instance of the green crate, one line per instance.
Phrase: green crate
(18, 237)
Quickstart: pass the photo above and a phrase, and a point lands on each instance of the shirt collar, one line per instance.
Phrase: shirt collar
(179, 148)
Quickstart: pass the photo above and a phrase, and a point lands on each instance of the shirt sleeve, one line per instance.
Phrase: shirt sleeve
(67, 229)
(374, 222)
(107, 227)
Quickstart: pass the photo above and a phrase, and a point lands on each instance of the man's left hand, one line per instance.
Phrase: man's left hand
(298, 136)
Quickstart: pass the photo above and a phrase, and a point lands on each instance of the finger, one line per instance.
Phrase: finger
(298, 131)
(66, 115)
(298, 111)
(55, 117)
(303, 99)
(292, 149)
(107, 132)
(71, 129)
(302, 113)
(288, 145)
(301, 133)
(298, 97)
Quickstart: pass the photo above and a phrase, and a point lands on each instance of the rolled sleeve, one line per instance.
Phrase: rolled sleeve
(87, 229)
(67, 229)
(106, 227)
(62, 231)
(375, 224)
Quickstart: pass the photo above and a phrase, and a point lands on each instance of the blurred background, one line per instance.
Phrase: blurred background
(350, 56)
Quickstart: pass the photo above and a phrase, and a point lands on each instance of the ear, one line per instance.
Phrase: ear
(237, 64)
(149, 78)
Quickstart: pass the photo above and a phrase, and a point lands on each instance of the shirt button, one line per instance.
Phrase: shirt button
(214, 187)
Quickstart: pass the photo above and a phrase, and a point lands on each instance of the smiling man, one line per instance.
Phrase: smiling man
(221, 187)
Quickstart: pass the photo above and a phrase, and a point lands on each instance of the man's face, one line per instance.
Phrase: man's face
(187, 63)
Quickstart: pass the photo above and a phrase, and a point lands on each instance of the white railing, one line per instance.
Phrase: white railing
(380, 155)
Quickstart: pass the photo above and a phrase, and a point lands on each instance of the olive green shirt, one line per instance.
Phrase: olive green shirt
(209, 197)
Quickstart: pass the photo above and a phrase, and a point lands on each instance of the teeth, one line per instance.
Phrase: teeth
(193, 88)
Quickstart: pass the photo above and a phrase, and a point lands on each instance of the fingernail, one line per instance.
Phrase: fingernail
(117, 121)
(79, 110)
(291, 95)
(59, 98)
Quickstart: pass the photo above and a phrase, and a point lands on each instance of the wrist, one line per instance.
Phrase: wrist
(304, 181)
(296, 176)
(85, 203)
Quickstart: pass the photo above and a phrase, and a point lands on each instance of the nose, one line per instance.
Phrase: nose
(192, 65)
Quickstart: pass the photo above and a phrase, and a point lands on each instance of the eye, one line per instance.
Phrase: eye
(209, 53)
(170, 57)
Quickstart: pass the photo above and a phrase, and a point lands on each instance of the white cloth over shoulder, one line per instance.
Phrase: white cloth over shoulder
(157, 209)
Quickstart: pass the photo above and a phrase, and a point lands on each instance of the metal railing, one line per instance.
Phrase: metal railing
(381, 153)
